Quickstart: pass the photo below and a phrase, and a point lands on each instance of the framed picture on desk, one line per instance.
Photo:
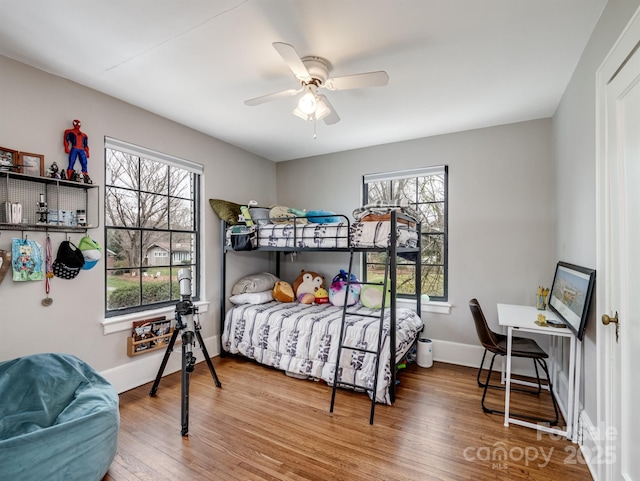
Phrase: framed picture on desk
(571, 295)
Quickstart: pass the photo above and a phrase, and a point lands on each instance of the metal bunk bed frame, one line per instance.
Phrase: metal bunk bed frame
(392, 250)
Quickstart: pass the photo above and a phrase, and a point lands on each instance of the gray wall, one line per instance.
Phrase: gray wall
(36, 109)
(574, 151)
(500, 211)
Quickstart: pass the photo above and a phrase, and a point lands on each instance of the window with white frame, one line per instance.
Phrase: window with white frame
(151, 200)
(427, 192)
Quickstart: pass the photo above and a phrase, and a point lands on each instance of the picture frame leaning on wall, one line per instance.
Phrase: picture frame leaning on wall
(8, 160)
(31, 164)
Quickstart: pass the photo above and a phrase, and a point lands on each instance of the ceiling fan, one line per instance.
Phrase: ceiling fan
(313, 74)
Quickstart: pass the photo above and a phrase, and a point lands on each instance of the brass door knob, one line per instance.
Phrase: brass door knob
(606, 319)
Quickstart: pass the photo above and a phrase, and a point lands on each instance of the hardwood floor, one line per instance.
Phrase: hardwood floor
(264, 425)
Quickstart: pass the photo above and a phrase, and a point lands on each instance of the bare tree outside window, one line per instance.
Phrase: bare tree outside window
(151, 220)
(427, 194)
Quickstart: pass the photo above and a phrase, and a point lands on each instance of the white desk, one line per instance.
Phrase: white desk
(522, 318)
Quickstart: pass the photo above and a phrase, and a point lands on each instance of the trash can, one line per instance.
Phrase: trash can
(425, 353)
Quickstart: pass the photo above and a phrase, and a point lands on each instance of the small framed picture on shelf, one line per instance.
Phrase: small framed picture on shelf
(8, 160)
(31, 164)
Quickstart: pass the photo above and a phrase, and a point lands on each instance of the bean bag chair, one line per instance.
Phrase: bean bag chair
(59, 420)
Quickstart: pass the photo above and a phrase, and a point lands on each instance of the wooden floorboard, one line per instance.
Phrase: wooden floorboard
(264, 425)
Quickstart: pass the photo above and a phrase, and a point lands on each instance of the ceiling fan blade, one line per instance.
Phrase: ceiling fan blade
(369, 79)
(270, 97)
(292, 59)
(332, 117)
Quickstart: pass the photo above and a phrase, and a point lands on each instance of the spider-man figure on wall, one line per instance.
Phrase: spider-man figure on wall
(76, 144)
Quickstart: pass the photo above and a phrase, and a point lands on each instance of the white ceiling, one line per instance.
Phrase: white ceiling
(453, 64)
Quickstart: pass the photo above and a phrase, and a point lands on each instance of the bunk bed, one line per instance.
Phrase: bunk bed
(302, 339)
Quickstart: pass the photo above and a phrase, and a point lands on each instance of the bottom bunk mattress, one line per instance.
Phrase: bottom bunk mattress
(302, 340)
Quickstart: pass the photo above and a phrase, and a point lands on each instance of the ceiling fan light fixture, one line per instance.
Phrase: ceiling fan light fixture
(313, 73)
(299, 113)
(308, 103)
(322, 109)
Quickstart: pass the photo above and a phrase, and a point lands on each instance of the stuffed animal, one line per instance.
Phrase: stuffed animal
(282, 292)
(315, 216)
(371, 296)
(338, 290)
(298, 212)
(321, 296)
(280, 214)
(306, 298)
(308, 282)
(323, 217)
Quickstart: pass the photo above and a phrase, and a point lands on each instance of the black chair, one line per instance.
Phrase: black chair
(522, 347)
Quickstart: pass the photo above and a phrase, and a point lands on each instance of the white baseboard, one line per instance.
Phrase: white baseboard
(589, 440)
(470, 355)
(144, 368)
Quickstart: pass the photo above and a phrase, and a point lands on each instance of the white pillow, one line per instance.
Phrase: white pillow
(252, 297)
(255, 283)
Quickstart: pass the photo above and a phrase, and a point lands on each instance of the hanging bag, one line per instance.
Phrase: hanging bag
(69, 261)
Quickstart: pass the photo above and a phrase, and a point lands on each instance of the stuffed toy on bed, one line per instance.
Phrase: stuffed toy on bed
(305, 286)
(283, 292)
(307, 282)
(280, 214)
(323, 217)
(338, 290)
(372, 296)
(321, 296)
(284, 215)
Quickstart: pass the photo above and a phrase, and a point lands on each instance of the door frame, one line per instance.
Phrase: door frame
(607, 400)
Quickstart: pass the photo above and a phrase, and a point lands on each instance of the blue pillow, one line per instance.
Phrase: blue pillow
(323, 217)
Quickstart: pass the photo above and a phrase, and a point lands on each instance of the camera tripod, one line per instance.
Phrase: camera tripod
(186, 321)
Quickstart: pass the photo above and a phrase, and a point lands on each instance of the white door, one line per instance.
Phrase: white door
(619, 262)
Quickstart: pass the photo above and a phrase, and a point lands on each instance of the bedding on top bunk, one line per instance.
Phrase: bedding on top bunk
(302, 340)
(335, 235)
(378, 234)
(326, 236)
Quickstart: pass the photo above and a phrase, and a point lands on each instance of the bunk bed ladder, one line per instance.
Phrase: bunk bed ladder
(357, 349)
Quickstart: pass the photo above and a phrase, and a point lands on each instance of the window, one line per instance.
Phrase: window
(427, 191)
(151, 227)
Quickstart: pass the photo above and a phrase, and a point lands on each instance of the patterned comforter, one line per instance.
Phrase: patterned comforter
(302, 340)
(336, 235)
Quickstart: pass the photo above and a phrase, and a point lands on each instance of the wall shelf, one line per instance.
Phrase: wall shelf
(60, 196)
(134, 348)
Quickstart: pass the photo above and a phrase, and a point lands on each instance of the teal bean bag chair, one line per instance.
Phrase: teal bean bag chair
(59, 420)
